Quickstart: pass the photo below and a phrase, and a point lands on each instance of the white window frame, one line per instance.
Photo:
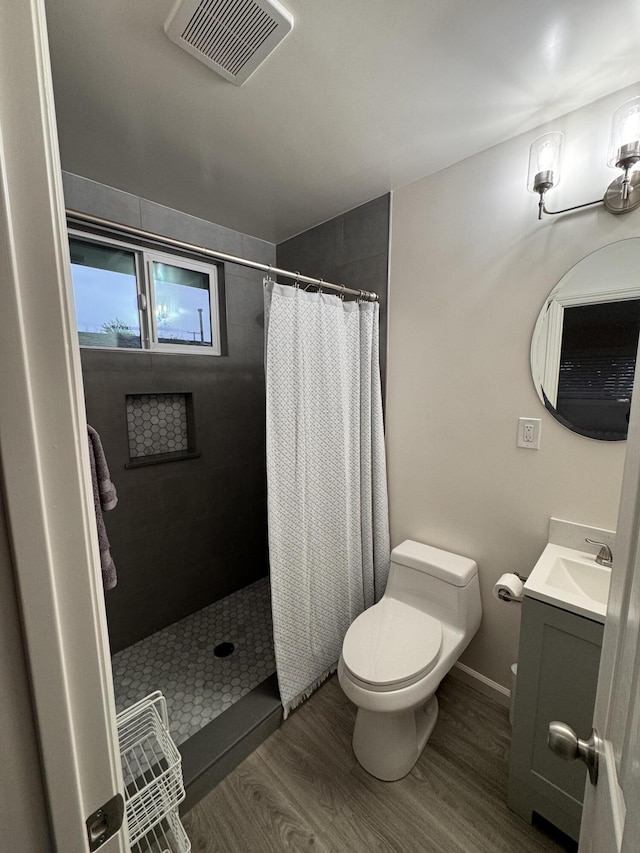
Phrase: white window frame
(144, 259)
(555, 325)
(151, 257)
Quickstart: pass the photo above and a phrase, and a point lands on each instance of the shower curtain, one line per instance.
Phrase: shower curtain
(326, 473)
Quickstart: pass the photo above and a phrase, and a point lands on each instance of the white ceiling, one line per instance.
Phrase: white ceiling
(363, 97)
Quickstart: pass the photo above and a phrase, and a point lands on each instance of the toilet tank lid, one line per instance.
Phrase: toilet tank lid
(444, 565)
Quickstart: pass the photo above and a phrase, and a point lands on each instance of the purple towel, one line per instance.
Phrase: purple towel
(104, 498)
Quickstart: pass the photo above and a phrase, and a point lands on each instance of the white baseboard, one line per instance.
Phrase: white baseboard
(482, 684)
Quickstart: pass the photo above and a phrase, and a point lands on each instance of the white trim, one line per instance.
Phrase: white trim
(595, 297)
(553, 349)
(482, 684)
(146, 351)
(44, 452)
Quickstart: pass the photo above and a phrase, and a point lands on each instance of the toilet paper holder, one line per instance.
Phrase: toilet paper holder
(505, 594)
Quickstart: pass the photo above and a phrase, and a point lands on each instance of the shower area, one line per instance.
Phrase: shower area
(191, 613)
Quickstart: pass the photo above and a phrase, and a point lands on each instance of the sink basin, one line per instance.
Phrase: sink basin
(571, 580)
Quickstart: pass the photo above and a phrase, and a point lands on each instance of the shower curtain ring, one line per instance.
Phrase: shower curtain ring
(296, 283)
(342, 290)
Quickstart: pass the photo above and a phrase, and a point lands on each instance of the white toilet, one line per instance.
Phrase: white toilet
(397, 652)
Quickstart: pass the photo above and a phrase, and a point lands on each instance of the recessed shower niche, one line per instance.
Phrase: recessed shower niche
(160, 428)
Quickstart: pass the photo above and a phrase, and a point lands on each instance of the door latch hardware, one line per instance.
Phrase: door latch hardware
(105, 822)
(564, 742)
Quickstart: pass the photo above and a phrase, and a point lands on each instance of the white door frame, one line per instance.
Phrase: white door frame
(43, 448)
(611, 818)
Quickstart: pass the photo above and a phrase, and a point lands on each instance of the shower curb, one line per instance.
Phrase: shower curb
(213, 752)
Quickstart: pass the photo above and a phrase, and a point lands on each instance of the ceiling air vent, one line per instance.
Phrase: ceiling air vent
(233, 37)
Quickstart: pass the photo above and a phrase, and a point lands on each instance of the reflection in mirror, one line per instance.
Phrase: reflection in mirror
(584, 345)
(597, 363)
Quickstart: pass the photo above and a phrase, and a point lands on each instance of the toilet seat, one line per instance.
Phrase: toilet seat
(391, 645)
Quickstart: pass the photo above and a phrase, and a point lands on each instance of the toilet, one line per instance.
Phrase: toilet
(397, 652)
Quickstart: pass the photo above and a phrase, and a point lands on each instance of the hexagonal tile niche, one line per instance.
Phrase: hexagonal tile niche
(157, 423)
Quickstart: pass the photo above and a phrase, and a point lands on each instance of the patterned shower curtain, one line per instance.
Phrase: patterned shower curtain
(326, 473)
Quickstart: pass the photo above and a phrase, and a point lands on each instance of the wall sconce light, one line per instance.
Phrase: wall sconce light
(623, 194)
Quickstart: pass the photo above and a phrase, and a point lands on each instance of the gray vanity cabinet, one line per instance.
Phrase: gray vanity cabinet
(557, 679)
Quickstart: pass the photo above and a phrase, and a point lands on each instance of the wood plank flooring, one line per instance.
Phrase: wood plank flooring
(303, 790)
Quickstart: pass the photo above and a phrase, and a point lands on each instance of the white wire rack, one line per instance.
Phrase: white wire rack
(152, 772)
(168, 836)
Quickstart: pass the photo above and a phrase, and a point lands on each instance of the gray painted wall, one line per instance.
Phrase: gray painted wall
(184, 533)
(23, 810)
(351, 249)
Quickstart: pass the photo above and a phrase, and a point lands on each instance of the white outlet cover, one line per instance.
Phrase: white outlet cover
(529, 427)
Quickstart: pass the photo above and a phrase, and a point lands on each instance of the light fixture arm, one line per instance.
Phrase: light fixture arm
(542, 208)
(622, 196)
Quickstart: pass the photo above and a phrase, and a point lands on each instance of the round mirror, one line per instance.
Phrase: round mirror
(583, 352)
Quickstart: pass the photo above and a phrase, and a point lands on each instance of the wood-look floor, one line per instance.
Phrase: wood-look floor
(302, 789)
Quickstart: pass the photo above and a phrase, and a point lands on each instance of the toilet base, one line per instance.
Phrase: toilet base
(388, 745)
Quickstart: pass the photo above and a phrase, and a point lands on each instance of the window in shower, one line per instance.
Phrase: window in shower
(131, 298)
(181, 308)
(105, 289)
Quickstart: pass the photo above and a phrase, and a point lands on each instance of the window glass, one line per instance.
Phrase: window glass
(106, 295)
(182, 305)
(131, 298)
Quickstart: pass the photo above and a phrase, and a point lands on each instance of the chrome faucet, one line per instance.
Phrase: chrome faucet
(605, 557)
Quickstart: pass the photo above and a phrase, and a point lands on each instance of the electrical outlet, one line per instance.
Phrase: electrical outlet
(529, 433)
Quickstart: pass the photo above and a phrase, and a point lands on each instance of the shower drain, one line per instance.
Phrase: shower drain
(223, 650)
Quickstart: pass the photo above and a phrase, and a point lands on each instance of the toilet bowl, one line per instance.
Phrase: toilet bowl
(397, 652)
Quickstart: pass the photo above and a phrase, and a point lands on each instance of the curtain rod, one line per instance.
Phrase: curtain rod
(90, 219)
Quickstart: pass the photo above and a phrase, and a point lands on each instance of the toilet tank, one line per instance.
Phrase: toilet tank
(439, 583)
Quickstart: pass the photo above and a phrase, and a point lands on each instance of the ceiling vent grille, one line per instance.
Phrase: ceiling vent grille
(233, 37)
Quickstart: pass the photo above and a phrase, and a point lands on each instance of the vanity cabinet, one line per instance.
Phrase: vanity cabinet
(557, 679)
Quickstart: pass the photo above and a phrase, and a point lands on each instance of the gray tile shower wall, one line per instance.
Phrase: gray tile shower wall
(185, 533)
(351, 249)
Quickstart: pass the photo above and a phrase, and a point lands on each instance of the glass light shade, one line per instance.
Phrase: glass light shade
(544, 161)
(625, 133)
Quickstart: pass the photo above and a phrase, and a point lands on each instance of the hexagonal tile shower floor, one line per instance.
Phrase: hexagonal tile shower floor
(180, 660)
